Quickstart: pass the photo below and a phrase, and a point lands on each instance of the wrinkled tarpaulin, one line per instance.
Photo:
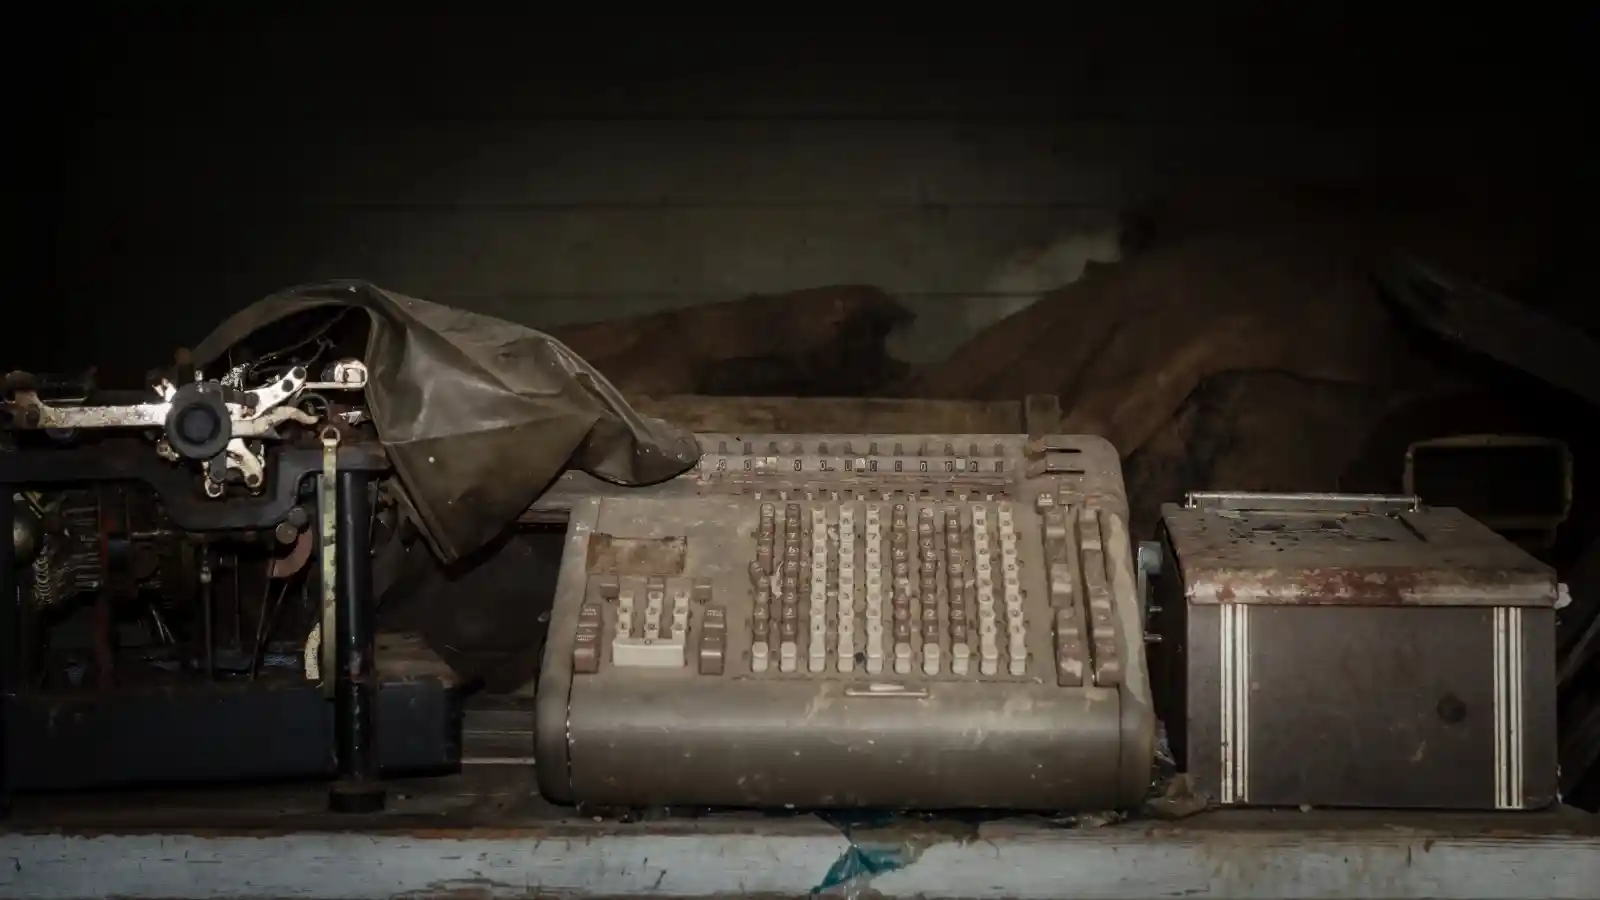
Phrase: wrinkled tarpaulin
(478, 414)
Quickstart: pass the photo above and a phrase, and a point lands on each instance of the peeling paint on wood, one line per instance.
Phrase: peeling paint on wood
(1010, 861)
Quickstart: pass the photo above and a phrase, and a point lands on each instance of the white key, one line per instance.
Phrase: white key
(989, 657)
(959, 656)
(788, 654)
(758, 656)
(902, 659)
(652, 614)
(625, 613)
(930, 659)
(1017, 633)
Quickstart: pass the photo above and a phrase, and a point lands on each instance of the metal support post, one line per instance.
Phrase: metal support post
(359, 787)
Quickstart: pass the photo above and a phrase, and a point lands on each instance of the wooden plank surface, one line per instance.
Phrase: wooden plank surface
(485, 834)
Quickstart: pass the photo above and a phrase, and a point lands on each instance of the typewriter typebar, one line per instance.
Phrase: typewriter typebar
(845, 621)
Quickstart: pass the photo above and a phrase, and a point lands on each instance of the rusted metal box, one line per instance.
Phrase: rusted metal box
(1343, 650)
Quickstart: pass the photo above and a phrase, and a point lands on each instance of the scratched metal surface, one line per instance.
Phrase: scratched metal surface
(1434, 556)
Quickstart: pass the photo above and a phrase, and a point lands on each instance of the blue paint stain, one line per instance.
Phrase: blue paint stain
(861, 860)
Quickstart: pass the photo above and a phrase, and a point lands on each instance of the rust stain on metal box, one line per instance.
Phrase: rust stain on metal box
(1354, 586)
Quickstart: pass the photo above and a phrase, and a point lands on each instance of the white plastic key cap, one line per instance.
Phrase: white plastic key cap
(960, 656)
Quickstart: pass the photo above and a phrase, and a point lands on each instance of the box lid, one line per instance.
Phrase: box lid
(1348, 550)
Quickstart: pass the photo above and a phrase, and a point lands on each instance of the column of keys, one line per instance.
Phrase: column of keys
(900, 600)
(928, 582)
(789, 596)
(817, 608)
(961, 591)
(1011, 592)
(874, 589)
(761, 574)
(845, 602)
(983, 569)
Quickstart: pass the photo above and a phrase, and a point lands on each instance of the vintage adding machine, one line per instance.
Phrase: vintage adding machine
(1342, 650)
(926, 621)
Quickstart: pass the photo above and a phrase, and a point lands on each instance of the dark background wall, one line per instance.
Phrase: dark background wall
(550, 171)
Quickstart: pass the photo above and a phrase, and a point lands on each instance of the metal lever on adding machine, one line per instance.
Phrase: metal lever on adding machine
(1147, 560)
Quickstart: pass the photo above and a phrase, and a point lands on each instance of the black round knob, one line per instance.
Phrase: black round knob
(198, 426)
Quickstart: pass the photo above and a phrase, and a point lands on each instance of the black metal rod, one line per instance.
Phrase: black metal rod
(355, 677)
(12, 678)
(11, 675)
(207, 627)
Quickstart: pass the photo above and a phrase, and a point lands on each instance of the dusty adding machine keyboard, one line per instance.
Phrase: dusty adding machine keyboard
(914, 621)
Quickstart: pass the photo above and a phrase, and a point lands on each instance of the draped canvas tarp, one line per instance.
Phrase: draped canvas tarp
(478, 414)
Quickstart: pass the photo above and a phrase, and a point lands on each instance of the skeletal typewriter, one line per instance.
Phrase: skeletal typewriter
(851, 620)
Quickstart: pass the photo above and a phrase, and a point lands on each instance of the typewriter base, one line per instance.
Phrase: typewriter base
(220, 734)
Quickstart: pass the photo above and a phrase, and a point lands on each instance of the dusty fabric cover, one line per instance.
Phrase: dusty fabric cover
(478, 414)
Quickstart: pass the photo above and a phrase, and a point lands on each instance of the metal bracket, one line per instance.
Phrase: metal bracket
(258, 417)
(1148, 557)
(1246, 501)
(327, 534)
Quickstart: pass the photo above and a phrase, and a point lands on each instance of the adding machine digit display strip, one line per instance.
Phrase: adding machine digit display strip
(848, 621)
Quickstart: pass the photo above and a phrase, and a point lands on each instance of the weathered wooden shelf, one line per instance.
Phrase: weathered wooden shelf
(485, 833)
